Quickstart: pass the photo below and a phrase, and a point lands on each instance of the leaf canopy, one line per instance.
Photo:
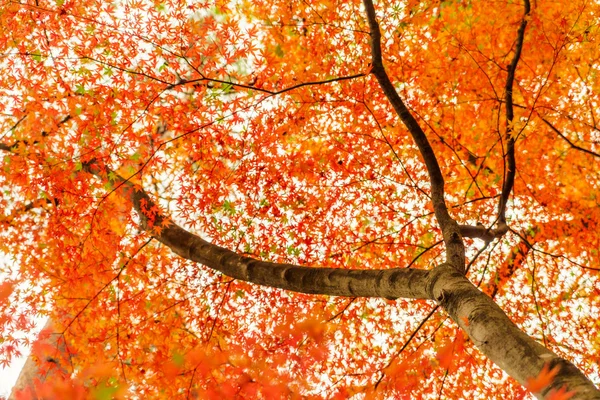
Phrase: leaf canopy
(258, 126)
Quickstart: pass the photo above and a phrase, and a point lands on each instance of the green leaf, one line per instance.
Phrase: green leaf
(178, 359)
(279, 51)
(80, 89)
(227, 88)
(105, 392)
(228, 207)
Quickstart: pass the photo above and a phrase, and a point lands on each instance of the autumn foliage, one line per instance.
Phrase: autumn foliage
(129, 128)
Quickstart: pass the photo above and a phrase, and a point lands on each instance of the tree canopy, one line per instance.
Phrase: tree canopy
(290, 199)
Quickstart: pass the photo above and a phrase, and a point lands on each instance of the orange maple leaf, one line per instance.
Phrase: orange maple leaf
(445, 355)
(561, 394)
(543, 379)
(6, 289)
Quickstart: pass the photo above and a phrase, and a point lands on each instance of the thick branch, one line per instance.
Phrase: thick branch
(486, 324)
(455, 251)
(500, 339)
(510, 137)
(483, 233)
(50, 366)
(388, 283)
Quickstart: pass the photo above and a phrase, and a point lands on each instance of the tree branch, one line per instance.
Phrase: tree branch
(476, 313)
(573, 145)
(455, 250)
(16, 144)
(9, 219)
(389, 283)
(515, 352)
(483, 233)
(510, 138)
(515, 260)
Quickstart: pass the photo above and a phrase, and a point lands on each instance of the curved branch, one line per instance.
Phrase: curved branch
(203, 80)
(550, 230)
(12, 147)
(387, 283)
(476, 313)
(510, 138)
(455, 250)
(573, 145)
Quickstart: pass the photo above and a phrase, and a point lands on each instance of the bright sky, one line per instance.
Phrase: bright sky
(9, 375)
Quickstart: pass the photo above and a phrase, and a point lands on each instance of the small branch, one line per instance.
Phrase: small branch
(513, 263)
(573, 145)
(210, 81)
(342, 310)
(116, 277)
(510, 138)
(410, 338)
(39, 203)
(12, 128)
(270, 92)
(12, 147)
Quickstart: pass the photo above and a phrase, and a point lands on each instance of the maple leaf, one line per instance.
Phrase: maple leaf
(561, 394)
(6, 289)
(543, 379)
(446, 357)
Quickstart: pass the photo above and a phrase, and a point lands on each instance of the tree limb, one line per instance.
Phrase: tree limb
(573, 145)
(455, 249)
(500, 339)
(515, 260)
(16, 144)
(386, 283)
(483, 233)
(510, 138)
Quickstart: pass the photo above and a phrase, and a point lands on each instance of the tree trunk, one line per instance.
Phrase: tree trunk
(43, 365)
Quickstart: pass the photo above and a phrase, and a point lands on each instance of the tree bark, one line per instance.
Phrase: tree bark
(41, 368)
